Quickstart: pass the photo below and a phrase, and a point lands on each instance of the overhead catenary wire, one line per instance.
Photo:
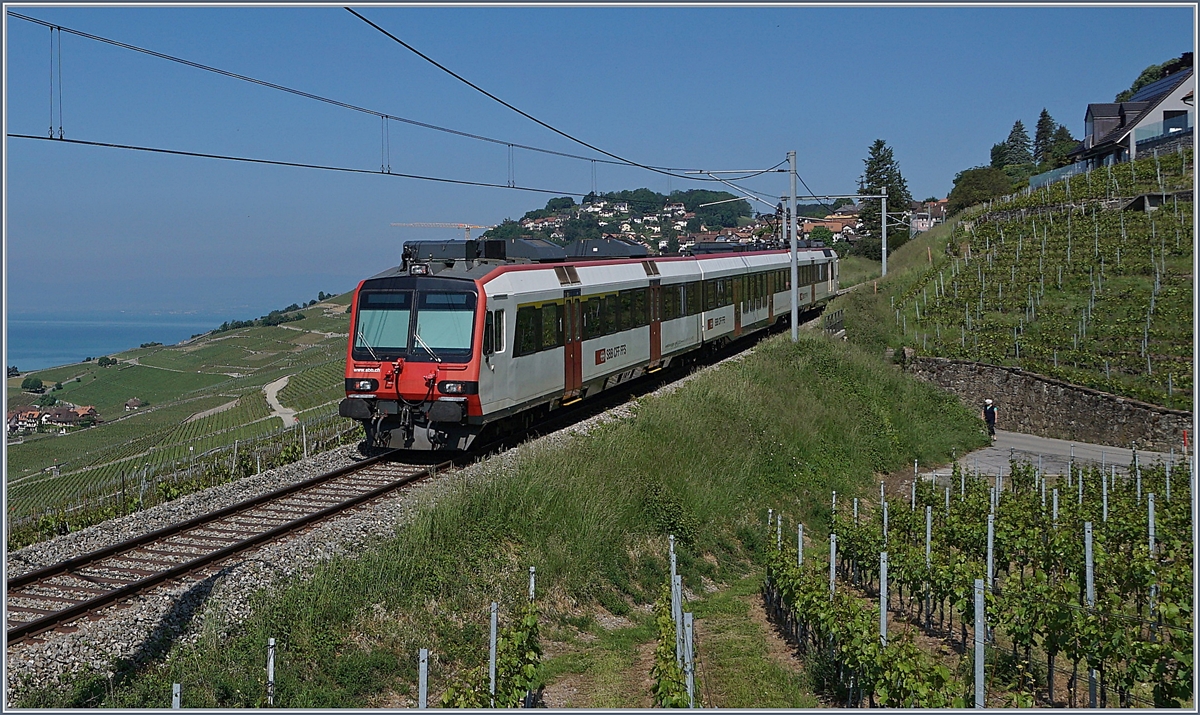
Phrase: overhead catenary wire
(295, 164)
(477, 88)
(315, 97)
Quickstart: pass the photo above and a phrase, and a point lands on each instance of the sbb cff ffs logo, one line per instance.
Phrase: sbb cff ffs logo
(714, 322)
(603, 355)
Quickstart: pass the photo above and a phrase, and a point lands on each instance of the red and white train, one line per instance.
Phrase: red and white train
(487, 335)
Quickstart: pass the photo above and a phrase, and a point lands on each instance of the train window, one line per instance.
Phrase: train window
(625, 310)
(489, 327)
(552, 327)
(640, 305)
(528, 331)
(609, 315)
(592, 325)
(695, 297)
(382, 325)
(498, 330)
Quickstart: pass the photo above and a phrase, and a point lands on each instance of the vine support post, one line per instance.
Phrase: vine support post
(1153, 570)
(677, 616)
(270, 671)
(885, 525)
(856, 501)
(492, 656)
(1104, 495)
(947, 502)
(928, 540)
(979, 638)
(991, 567)
(175, 697)
(799, 545)
(688, 668)
(1055, 512)
(883, 598)
(532, 581)
(423, 678)
(832, 563)
(1091, 601)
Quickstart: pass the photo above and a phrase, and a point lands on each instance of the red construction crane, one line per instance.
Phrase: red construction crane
(466, 227)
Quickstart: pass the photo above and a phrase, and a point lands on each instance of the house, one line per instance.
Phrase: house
(621, 207)
(24, 418)
(133, 404)
(1156, 115)
(86, 412)
(675, 208)
(62, 416)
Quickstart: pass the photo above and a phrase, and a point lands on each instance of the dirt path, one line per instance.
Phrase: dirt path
(271, 390)
(208, 413)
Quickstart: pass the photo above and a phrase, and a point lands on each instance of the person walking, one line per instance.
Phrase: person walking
(989, 416)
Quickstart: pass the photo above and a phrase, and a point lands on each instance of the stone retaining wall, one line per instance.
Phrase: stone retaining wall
(1040, 405)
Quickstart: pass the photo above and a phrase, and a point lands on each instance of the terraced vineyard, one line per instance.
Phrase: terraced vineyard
(1075, 280)
(203, 396)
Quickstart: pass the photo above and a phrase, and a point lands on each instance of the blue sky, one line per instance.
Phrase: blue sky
(714, 88)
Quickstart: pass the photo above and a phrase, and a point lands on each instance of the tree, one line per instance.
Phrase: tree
(58, 386)
(563, 203)
(31, 384)
(881, 170)
(46, 400)
(1061, 144)
(1043, 135)
(1018, 146)
(976, 185)
(821, 233)
(999, 155)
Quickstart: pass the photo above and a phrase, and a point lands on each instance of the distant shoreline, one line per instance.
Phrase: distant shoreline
(44, 342)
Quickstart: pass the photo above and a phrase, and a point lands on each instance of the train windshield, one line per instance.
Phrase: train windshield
(443, 326)
(383, 324)
(426, 326)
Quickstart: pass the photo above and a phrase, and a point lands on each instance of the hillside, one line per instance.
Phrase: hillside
(1075, 280)
(200, 397)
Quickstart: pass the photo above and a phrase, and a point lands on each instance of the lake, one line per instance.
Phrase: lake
(39, 341)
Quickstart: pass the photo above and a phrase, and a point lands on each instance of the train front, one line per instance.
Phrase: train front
(412, 369)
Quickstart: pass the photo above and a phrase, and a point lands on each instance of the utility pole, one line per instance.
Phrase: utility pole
(791, 155)
(883, 227)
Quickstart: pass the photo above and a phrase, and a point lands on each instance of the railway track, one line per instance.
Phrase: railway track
(53, 597)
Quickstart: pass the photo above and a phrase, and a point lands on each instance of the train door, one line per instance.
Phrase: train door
(655, 322)
(738, 294)
(573, 344)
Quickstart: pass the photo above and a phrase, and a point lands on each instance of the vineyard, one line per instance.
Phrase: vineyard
(1080, 280)
(205, 396)
(1087, 585)
(74, 500)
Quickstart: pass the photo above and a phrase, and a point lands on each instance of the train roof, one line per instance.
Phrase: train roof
(475, 260)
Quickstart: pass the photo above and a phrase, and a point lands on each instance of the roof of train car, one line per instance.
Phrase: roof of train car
(484, 268)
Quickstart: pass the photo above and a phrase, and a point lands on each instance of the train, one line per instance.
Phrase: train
(482, 337)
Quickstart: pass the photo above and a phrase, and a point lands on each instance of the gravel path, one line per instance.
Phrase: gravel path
(271, 390)
(181, 612)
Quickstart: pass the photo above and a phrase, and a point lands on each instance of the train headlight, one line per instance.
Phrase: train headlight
(363, 385)
(456, 387)
(418, 269)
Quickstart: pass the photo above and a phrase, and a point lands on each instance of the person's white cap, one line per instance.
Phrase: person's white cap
(988, 400)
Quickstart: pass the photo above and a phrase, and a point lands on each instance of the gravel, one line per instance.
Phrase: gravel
(180, 612)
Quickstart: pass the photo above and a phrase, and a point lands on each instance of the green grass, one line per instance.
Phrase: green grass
(778, 429)
(737, 670)
(853, 270)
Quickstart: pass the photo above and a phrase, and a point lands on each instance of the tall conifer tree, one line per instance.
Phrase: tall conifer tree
(1042, 136)
(882, 170)
(1018, 145)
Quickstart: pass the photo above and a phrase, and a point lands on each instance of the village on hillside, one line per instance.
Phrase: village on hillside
(675, 224)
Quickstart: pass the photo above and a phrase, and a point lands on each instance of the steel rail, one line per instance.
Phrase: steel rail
(30, 628)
